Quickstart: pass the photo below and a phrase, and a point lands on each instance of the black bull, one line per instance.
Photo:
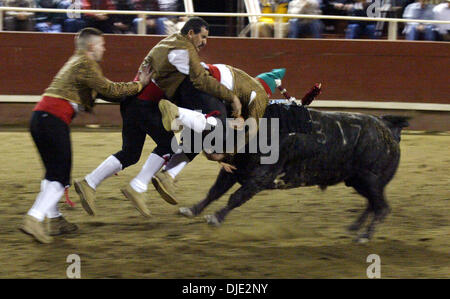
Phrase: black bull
(358, 149)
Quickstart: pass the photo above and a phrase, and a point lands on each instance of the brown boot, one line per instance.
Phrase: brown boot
(59, 226)
(87, 196)
(137, 199)
(169, 112)
(31, 226)
(165, 185)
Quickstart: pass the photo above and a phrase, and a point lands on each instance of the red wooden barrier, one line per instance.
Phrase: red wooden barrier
(350, 70)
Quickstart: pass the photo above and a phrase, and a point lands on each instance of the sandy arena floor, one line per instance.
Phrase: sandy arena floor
(299, 233)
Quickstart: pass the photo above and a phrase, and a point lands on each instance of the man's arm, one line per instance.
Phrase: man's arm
(187, 62)
(203, 81)
(92, 77)
(147, 61)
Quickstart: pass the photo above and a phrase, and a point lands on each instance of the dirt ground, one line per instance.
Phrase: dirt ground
(298, 233)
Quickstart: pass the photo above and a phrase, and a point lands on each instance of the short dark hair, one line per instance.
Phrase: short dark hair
(83, 36)
(196, 24)
(89, 31)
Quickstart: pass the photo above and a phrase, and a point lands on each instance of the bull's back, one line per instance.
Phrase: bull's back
(341, 144)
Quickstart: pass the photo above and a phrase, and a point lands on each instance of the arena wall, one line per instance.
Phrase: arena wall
(349, 70)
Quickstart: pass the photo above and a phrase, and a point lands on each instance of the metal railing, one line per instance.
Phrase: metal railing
(392, 29)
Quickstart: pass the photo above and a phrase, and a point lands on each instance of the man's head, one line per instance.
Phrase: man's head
(91, 40)
(196, 30)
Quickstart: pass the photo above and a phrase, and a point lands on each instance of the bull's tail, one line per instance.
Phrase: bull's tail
(396, 123)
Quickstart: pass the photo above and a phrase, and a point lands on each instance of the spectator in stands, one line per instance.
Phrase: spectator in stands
(101, 21)
(19, 20)
(398, 7)
(173, 24)
(48, 22)
(419, 10)
(304, 27)
(356, 29)
(265, 25)
(154, 25)
(161, 25)
(72, 22)
(442, 13)
(335, 8)
(123, 24)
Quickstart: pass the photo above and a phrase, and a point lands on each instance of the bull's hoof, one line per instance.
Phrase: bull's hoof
(212, 220)
(187, 212)
(362, 239)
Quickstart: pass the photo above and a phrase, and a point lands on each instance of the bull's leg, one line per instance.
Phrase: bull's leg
(362, 187)
(355, 226)
(381, 210)
(264, 177)
(238, 198)
(224, 182)
(259, 179)
(369, 186)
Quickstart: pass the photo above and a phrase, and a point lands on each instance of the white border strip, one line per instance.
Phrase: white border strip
(382, 105)
(315, 104)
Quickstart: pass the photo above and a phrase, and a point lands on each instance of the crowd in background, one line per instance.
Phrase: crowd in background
(108, 23)
(316, 28)
(293, 27)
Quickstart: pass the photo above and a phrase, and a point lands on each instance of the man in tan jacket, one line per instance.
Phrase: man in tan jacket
(74, 88)
(179, 73)
(177, 68)
(254, 93)
(177, 76)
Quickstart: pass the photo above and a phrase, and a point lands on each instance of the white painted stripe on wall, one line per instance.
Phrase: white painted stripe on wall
(317, 104)
(382, 105)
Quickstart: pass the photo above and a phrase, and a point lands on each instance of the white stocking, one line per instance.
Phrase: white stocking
(150, 168)
(194, 120)
(176, 164)
(108, 167)
(47, 199)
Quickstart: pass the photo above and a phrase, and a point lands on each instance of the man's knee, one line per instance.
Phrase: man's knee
(127, 158)
(63, 177)
(163, 150)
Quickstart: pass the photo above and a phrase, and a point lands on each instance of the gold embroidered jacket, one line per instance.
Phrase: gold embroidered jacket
(169, 78)
(80, 80)
(244, 86)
